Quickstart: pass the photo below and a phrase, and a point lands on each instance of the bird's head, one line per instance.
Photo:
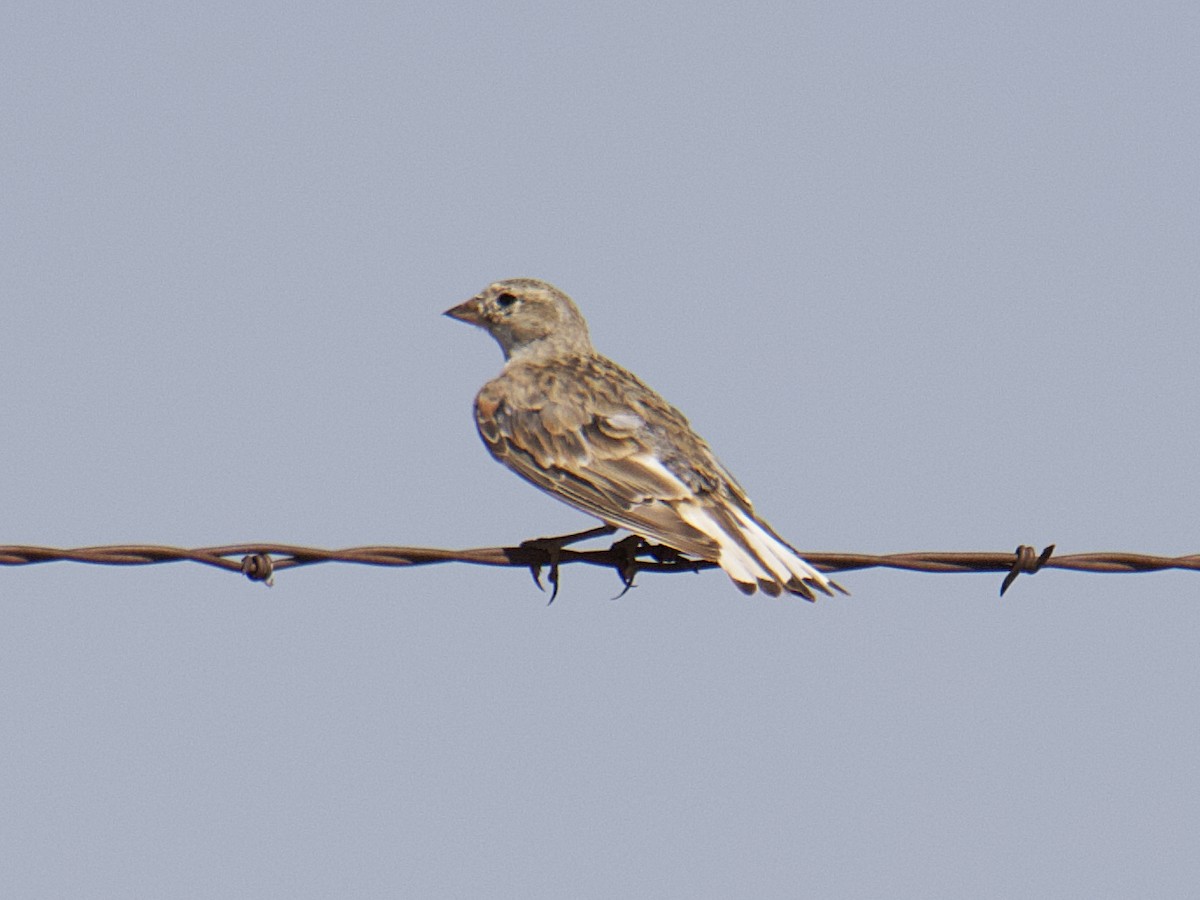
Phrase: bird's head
(527, 317)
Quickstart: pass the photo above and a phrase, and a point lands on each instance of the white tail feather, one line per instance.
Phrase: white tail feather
(787, 562)
(767, 558)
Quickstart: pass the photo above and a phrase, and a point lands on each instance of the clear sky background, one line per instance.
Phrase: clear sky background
(926, 275)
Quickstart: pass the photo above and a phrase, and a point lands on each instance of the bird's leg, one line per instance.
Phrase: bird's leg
(553, 546)
(564, 540)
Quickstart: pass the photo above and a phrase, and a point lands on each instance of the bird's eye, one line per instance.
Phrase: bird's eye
(504, 301)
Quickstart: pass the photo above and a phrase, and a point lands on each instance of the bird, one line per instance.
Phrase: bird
(592, 434)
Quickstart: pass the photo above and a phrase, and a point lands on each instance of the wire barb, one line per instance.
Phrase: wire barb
(259, 567)
(1026, 559)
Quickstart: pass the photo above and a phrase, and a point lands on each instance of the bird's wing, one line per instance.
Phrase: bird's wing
(602, 441)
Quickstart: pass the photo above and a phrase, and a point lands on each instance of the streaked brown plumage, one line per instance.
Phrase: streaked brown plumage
(592, 434)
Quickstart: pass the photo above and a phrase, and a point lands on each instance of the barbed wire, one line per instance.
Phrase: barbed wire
(260, 561)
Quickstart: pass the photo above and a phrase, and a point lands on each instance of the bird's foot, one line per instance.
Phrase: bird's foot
(629, 549)
(552, 547)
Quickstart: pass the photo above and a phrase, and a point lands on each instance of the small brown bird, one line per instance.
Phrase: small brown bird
(592, 434)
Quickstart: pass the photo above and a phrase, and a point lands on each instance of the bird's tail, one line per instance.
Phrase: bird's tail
(755, 557)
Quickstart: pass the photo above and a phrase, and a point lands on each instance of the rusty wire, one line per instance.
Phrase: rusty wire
(260, 562)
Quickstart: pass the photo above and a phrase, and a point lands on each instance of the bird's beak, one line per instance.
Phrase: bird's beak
(470, 312)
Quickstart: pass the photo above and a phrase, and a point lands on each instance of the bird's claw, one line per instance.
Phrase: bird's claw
(554, 553)
(535, 569)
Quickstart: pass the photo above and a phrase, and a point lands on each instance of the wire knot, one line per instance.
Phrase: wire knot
(259, 567)
(1025, 559)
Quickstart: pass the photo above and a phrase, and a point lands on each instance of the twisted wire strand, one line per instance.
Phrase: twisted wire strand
(260, 561)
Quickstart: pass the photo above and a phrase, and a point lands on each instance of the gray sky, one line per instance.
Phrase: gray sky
(925, 275)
